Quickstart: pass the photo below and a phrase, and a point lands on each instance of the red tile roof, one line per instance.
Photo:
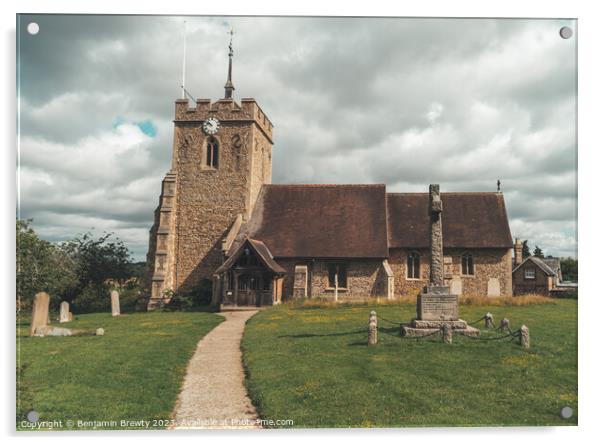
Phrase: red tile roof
(363, 221)
(470, 220)
(321, 221)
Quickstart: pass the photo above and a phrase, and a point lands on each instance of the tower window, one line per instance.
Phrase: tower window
(467, 264)
(414, 265)
(212, 152)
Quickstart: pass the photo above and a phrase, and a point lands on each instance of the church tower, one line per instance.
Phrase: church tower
(222, 155)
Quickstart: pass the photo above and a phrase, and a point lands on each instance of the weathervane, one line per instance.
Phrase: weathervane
(499, 185)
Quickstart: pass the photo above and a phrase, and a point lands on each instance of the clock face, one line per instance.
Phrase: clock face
(211, 125)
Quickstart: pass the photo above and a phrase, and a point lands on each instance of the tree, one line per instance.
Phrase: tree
(526, 250)
(569, 268)
(538, 252)
(41, 266)
(100, 263)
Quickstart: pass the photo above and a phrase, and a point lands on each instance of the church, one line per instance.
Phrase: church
(222, 227)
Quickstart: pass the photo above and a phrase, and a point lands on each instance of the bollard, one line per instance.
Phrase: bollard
(505, 325)
(525, 341)
(373, 317)
(372, 333)
(488, 320)
(448, 334)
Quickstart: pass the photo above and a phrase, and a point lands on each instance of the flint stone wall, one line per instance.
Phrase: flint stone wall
(488, 263)
(365, 278)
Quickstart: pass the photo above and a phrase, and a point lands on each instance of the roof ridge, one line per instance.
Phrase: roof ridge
(327, 185)
(444, 193)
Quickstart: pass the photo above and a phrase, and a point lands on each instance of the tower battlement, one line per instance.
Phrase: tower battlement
(224, 110)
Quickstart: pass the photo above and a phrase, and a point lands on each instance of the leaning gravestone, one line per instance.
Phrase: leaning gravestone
(39, 312)
(64, 316)
(436, 306)
(115, 303)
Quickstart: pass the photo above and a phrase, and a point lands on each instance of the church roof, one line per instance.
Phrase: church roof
(363, 221)
(321, 221)
(262, 251)
(470, 220)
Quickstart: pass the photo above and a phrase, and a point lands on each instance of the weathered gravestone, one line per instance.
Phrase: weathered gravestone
(39, 312)
(64, 314)
(115, 303)
(436, 306)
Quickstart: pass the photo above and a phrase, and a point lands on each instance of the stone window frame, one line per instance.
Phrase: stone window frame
(416, 276)
(205, 153)
(472, 265)
(529, 276)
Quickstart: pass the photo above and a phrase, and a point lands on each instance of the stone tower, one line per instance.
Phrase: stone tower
(222, 155)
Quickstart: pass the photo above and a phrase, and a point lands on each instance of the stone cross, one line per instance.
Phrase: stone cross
(64, 317)
(436, 231)
(115, 311)
(39, 312)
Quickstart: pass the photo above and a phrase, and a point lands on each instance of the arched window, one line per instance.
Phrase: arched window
(414, 265)
(467, 264)
(212, 152)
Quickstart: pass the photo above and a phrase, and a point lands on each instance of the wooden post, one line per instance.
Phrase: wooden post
(336, 283)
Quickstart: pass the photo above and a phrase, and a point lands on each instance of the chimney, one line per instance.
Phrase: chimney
(518, 252)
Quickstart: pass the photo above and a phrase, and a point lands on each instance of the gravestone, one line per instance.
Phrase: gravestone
(70, 316)
(456, 286)
(64, 314)
(436, 306)
(39, 312)
(115, 303)
(493, 287)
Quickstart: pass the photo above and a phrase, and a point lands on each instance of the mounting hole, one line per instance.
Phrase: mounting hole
(566, 412)
(566, 32)
(33, 28)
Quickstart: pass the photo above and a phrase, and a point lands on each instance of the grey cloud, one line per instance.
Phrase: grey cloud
(349, 99)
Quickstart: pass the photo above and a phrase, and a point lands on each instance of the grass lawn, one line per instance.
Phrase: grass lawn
(312, 365)
(133, 372)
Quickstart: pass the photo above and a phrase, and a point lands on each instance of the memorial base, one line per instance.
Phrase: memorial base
(423, 328)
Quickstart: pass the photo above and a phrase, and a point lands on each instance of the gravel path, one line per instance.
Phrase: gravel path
(213, 394)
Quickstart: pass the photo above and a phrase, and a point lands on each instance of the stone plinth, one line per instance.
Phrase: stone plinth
(437, 309)
(437, 304)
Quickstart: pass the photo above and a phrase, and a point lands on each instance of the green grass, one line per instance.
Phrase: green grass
(133, 372)
(312, 365)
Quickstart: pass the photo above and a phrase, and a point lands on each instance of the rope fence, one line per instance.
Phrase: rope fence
(510, 334)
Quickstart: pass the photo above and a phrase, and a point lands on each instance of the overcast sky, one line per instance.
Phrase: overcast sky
(405, 102)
